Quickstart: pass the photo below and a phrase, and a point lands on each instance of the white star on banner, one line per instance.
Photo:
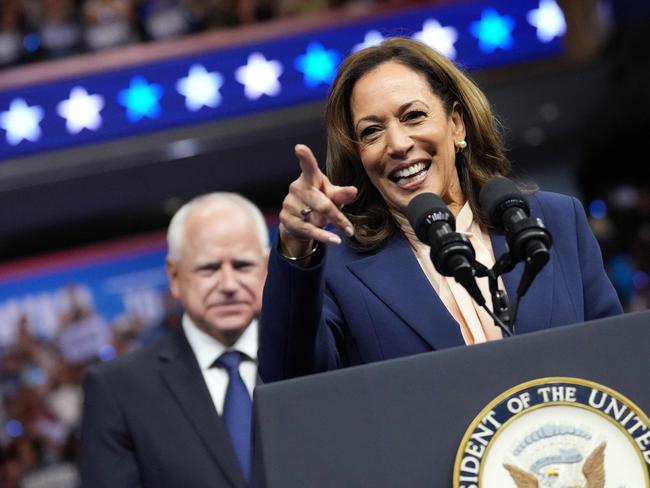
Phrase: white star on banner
(200, 88)
(372, 38)
(81, 110)
(21, 122)
(548, 19)
(440, 38)
(259, 76)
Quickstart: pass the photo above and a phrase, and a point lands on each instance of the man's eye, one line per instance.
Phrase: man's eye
(207, 270)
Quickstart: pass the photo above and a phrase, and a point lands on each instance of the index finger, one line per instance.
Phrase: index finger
(308, 165)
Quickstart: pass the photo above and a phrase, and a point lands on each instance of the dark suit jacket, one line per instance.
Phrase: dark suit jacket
(149, 421)
(354, 308)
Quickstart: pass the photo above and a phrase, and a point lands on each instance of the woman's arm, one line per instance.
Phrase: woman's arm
(295, 337)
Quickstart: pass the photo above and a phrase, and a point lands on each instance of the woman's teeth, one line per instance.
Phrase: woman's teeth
(408, 172)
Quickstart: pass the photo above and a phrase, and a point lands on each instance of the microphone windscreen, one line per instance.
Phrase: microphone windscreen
(425, 210)
(499, 194)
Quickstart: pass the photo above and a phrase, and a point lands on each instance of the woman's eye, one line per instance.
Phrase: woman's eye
(368, 132)
(414, 115)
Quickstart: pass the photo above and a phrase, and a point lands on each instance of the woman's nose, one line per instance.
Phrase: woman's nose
(398, 141)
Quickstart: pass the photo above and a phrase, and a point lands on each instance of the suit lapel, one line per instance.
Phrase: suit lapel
(534, 311)
(396, 278)
(183, 377)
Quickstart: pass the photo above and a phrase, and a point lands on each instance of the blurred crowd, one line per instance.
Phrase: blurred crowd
(40, 386)
(43, 29)
(620, 219)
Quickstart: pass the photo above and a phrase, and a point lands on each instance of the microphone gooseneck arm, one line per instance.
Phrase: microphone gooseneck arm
(527, 238)
(453, 255)
(501, 311)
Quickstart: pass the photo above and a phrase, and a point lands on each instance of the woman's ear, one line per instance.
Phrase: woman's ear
(457, 121)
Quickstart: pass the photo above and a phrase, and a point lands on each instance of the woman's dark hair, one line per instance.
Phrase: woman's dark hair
(481, 160)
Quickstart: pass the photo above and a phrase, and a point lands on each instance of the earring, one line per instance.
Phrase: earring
(460, 145)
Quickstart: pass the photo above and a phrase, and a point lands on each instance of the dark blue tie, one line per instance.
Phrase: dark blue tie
(237, 411)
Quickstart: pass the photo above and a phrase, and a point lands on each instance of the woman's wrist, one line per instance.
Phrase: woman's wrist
(292, 247)
(302, 257)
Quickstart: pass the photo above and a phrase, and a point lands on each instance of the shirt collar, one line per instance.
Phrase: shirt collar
(465, 220)
(206, 348)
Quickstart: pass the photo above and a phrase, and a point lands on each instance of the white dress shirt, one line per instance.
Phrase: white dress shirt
(207, 349)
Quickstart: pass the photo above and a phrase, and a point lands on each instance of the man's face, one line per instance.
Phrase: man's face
(220, 274)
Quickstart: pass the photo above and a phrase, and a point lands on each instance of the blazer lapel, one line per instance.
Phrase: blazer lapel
(396, 278)
(534, 311)
(184, 379)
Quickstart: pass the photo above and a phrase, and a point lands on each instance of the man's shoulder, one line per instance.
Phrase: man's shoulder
(134, 365)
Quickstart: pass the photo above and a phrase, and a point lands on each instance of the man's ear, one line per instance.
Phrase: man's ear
(172, 275)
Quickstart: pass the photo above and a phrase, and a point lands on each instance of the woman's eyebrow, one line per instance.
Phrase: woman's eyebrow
(400, 109)
(406, 105)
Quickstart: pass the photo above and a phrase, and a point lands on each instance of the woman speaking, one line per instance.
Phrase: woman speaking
(349, 282)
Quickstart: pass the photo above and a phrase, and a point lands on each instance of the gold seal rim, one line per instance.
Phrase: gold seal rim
(545, 381)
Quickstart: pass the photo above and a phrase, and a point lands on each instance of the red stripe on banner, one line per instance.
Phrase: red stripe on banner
(79, 256)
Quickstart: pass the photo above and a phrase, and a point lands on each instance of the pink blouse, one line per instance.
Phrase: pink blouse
(475, 323)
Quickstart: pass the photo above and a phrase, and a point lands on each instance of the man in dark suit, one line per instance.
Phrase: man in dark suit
(177, 413)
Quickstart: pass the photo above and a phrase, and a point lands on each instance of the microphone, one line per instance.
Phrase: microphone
(527, 238)
(451, 253)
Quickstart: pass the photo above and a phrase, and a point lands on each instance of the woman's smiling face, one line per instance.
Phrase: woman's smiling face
(405, 136)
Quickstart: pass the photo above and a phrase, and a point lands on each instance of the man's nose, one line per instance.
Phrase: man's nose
(228, 280)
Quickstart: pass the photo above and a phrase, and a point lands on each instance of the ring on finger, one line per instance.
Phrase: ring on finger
(304, 213)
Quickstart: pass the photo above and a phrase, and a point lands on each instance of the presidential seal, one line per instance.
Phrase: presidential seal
(556, 433)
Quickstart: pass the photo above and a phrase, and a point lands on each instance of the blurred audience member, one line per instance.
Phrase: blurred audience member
(17, 459)
(109, 23)
(127, 333)
(58, 26)
(11, 32)
(83, 332)
(65, 396)
(170, 321)
(224, 13)
(164, 19)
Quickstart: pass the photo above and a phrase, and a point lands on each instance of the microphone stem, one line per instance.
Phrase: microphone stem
(497, 321)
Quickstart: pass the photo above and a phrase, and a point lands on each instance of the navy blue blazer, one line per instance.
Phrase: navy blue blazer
(354, 308)
(149, 420)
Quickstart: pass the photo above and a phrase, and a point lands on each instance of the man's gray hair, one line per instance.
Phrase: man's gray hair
(210, 201)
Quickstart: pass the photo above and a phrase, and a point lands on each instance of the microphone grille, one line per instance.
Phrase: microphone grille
(499, 194)
(426, 209)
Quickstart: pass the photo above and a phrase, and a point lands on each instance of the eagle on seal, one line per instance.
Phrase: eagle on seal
(593, 470)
